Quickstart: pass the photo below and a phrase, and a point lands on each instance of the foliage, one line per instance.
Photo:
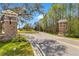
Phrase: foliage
(24, 10)
(19, 39)
(27, 27)
(19, 46)
(68, 11)
(24, 31)
(22, 49)
(73, 31)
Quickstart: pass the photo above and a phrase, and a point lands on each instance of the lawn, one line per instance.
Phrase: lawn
(24, 31)
(73, 38)
(16, 49)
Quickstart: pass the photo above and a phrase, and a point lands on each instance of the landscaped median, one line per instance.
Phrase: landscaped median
(18, 46)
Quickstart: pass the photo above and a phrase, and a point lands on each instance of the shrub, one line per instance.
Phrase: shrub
(73, 29)
(19, 39)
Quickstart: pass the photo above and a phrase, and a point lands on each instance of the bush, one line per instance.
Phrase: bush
(19, 39)
(16, 49)
(73, 29)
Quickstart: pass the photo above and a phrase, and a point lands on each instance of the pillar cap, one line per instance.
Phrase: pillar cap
(62, 21)
(9, 13)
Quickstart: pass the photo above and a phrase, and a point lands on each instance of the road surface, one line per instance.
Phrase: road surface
(72, 46)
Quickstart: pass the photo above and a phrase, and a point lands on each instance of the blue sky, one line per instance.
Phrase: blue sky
(40, 16)
(36, 18)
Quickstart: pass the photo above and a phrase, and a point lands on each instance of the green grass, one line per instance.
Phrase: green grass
(73, 38)
(30, 31)
(22, 49)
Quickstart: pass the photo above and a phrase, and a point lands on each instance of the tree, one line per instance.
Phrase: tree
(25, 11)
(68, 11)
(27, 26)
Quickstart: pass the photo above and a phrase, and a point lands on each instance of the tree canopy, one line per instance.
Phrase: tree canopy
(68, 11)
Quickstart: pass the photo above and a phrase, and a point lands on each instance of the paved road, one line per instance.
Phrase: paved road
(72, 46)
(36, 48)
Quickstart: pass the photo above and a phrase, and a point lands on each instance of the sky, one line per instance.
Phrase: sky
(37, 17)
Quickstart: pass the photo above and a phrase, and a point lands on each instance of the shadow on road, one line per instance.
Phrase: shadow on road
(50, 47)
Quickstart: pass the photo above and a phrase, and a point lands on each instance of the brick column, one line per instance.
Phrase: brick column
(10, 24)
(62, 27)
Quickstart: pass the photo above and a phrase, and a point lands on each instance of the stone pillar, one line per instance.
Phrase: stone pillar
(62, 24)
(10, 24)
